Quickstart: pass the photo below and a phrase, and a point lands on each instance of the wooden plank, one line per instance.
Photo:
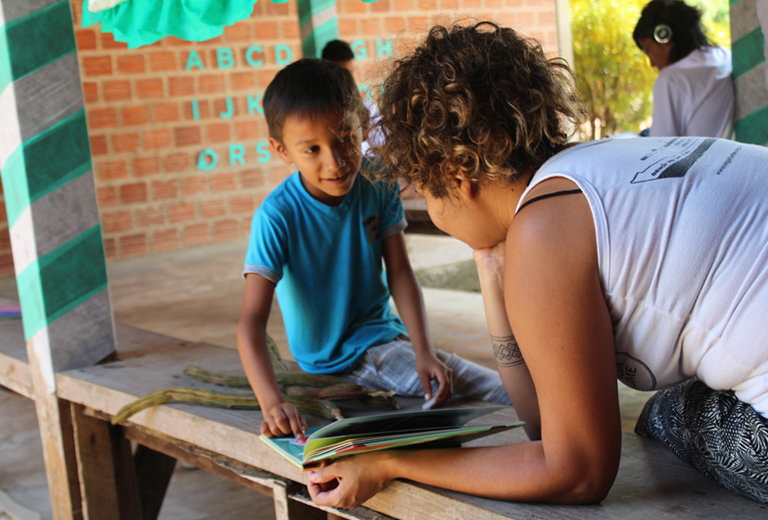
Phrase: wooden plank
(105, 468)
(55, 423)
(153, 474)
(288, 509)
(651, 482)
(14, 369)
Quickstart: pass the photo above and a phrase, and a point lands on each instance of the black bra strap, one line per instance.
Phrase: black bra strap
(546, 196)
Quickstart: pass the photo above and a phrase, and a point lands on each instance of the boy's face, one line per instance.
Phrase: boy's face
(324, 150)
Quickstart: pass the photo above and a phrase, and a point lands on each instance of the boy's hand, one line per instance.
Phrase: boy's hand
(430, 368)
(284, 419)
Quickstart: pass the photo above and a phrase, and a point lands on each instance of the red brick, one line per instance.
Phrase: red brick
(98, 144)
(266, 31)
(133, 193)
(157, 139)
(213, 208)
(110, 248)
(252, 178)
(223, 182)
(106, 196)
(348, 28)
(380, 6)
(217, 133)
(225, 107)
(6, 264)
(187, 135)
(127, 142)
(165, 112)
(163, 190)
(116, 221)
(203, 110)
(241, 205)
(111, 170)
(131, 64)
(196, 234)
(108, 42)
(85, 39)
(242, 80)
(97, 66)
(133, 245)
(151, 88)
(226, 229)
(176, 162)
(371, 25)
(248, 129)
(290, 30)
(211, 83)
(353, 8)
(194, 185)
(150, 216)
(116, 90)
(181, 211)
(426, 5)
(90, 91)
(166, 240)
(403, 5)
(143, 166)
(181, 86)
(164, 61)
(133, 115)
(102, 118)
(239, 32)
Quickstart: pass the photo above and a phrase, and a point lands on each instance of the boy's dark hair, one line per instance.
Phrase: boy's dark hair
(479, 102)
(337, 50)
(683, 20)
(309, 87)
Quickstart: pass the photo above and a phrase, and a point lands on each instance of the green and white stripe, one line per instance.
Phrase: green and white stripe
(751, 113)
(318, 24)
(48, 186)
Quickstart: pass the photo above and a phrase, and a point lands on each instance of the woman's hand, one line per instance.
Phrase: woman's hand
(350, 481)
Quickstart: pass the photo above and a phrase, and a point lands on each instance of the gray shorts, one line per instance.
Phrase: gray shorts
(392, 367)
(724, 438)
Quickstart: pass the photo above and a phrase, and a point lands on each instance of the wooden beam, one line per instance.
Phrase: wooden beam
(153, 474)
(50, 199)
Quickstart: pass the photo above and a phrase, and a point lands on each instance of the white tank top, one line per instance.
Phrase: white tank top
(682, 245)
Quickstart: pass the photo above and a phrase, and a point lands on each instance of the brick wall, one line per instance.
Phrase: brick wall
(179, 147)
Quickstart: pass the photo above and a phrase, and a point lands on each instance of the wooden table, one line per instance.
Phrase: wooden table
(651, 482)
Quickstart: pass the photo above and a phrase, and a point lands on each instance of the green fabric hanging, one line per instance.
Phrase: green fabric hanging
(143, 22)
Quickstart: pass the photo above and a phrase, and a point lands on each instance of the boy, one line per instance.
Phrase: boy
(318, 240)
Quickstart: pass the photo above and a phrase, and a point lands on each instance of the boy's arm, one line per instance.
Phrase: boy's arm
(509, 361)
(280, 418)
(406, 292)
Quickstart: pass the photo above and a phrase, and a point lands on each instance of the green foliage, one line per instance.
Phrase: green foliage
(613, 76)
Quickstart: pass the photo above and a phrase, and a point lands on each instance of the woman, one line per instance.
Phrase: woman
(647, 257)
(693, 93)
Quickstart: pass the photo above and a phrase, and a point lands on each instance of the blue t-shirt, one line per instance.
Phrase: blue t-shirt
(326, 262)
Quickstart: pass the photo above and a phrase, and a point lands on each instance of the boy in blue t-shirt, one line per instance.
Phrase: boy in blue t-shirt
(318, 241)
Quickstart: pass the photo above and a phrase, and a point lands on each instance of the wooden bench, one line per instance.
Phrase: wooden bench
(651, 482)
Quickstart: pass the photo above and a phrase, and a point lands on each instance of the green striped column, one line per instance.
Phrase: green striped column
(318, 25)
(48, 185)
(751, 111)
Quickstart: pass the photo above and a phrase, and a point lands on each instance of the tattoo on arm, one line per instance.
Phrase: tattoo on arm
(506, 351)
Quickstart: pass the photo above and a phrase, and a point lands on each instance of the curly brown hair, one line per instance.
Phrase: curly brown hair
(480, 102)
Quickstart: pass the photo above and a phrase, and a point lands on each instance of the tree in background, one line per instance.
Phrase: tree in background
(612, 75)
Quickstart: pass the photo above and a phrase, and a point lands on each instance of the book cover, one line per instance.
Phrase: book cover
(440, 427)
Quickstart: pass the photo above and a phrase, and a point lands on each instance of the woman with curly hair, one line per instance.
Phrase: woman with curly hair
(644, 258)
(693, 93)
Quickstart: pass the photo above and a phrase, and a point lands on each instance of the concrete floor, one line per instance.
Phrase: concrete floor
(195, 295)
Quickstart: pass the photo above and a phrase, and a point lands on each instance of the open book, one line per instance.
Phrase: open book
(435, 428)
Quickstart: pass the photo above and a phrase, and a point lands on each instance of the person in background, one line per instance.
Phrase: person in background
(642, 258)
(693, 93)
(339, 52)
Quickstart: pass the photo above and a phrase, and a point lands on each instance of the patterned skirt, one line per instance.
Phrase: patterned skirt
(713, 431)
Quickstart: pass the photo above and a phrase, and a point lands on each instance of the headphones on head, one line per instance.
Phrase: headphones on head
(662, 33)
